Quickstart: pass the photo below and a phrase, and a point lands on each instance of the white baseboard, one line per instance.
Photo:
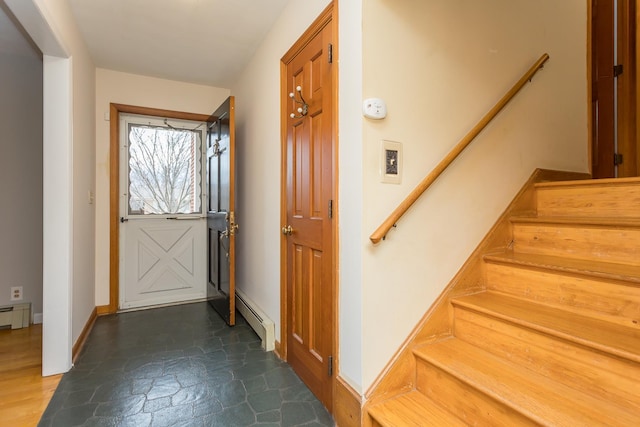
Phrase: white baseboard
(37, 318)
(260, 323)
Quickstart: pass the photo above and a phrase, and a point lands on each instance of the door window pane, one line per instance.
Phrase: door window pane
(164, 170)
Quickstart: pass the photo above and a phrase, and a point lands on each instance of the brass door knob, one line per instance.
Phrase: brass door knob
(287, 230)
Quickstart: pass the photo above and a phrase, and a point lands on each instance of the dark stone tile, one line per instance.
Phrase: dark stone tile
(191, 394)
(281, 378)
(297, 413)
(206, 407)
(297, 392)
(179, 366)
(265, 401)
(134, 363)
(112, 364)
(172, 415)
(148, 370)
(112, 390)
(255, 385)
(163, 386)
(240, 415)
(324, 418)
(231, 394)
(193, 422)
(209, 345)
(269, 417)
(141, 385)
(157, 404)
(130, 405)
(75, 416)
(168, 355)
(138, 420)
(255, 368)
(101, 422)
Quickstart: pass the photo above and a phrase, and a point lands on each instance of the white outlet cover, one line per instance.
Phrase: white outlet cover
(16, 293)
(374, 108)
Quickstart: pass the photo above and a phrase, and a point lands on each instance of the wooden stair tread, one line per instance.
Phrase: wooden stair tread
(611, 222)
(600, 269)
(413, 409)
(588, 182)
(597, 334)
(537, 397)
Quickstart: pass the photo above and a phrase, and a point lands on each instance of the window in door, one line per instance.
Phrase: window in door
(164, 168)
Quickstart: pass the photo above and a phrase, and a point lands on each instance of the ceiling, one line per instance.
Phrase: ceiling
(198, 41)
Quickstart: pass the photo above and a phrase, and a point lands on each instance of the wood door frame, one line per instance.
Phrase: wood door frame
(627, 87)
(329, 14)
(114, 188)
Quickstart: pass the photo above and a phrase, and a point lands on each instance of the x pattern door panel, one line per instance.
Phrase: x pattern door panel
(164, 262)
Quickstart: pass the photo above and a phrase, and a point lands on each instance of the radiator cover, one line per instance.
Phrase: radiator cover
(16, 315)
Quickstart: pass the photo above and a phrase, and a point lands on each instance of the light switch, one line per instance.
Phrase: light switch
(374, 108)
(391, 162)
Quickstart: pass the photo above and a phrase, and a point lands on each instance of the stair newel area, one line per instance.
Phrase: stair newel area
(552, 335)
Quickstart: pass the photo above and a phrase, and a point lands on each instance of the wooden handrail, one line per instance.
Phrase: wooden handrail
(402, 208)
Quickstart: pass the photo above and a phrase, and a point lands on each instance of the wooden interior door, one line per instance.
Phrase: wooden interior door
(221, 215)
(603, 87)
(627, 89)
(614, 132)
(308, 229)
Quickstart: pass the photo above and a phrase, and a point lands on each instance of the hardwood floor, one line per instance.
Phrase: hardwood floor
(24, 393)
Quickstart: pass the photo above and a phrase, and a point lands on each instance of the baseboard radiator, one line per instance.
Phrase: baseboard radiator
(261, 324)
(17, 316)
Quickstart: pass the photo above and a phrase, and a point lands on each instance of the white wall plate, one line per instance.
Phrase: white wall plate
(391, 162)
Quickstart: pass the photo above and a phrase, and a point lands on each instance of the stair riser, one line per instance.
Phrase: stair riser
(462, 399)
(616, 201)
(609, 300)
(605, 376)
(581, 242)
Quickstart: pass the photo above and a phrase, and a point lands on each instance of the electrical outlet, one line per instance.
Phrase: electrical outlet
(16, 293)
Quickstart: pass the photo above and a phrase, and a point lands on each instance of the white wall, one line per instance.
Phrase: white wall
(68, 168)
(257, 93)
(20, 167)
(351, 231)
(82, 161)
(131, 89)
(440, 65)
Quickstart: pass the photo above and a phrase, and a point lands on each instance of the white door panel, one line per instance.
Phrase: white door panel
(163, 261)
(163, 230)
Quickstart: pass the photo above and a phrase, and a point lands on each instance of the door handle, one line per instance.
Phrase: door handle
(287, 230)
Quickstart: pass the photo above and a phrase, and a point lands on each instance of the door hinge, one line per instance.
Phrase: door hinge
(330, 209)
(330, 370)
(617, 159)
(330, 53)
(617, 70)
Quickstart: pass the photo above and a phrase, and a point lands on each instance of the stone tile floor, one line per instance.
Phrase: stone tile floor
(179, 366)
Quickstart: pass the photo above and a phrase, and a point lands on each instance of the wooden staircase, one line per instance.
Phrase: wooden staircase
(553, 336)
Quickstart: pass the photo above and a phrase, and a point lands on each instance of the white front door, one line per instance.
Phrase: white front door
(163, 223)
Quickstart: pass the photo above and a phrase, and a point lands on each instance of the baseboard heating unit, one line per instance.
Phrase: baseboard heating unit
(17, 316)
(260, 323)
